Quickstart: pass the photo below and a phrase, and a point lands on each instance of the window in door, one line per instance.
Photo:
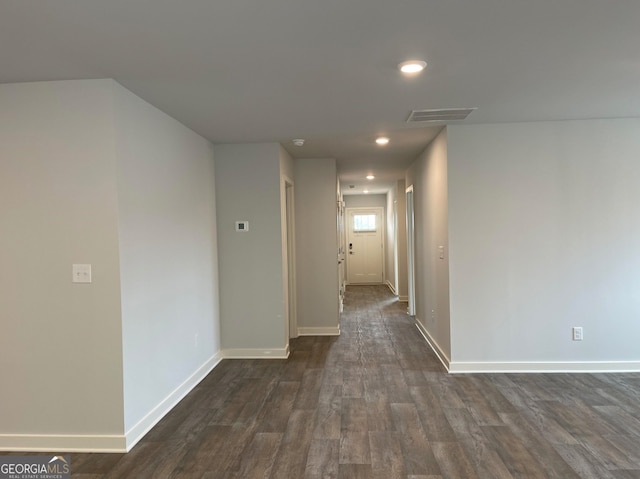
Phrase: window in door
(364, 223)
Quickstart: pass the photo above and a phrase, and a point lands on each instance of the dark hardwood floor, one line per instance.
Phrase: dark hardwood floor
(375, 403)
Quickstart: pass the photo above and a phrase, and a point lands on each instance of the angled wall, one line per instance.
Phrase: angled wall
(168, 259)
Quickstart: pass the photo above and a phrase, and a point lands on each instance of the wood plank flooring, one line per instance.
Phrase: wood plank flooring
(375, 403)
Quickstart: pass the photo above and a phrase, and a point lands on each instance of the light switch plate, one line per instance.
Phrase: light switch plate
(81, 273)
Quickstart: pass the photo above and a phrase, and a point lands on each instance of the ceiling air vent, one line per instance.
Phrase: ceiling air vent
(444, 115)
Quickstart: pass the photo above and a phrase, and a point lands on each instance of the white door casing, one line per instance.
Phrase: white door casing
(365, 245)
(411, 280)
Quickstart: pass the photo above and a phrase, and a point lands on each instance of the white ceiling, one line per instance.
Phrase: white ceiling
(325, 70)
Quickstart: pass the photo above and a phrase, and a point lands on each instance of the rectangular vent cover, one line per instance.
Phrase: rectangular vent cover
(444, 115)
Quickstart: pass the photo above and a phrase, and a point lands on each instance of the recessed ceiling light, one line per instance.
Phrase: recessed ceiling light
(365, 191)
(383, 140)
(412, 66)
(298, 141)
(370, 177)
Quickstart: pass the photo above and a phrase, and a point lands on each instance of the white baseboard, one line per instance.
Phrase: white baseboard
(434, 345)
(391, 287)
(403, 299)
(145, 424)
(62, 443)
(245, 353)
(462, 367)
(107, 443)
(545, 367)
(330, 331)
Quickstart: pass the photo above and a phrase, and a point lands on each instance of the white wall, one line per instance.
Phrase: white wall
(428, 175)
(317, 246)
(544, 230)
(365, 201)
(252, 308)
(168, 256)
(60, 345)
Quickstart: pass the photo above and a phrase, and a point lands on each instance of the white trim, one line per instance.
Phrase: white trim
(403, 298)
(330, 331)
(145, 424)
(434, 345)
(62, 443)
(287, 224)
(108, 443)
(391, 287)
(246, 353)
(411, 248)
(459, 367)
(545, 367)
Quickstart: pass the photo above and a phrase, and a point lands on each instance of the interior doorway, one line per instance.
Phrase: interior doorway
(365, 245)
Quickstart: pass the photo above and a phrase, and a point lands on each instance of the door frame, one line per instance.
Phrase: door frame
(411, 250)
(383, 221)
(342, 260)
(287, 214)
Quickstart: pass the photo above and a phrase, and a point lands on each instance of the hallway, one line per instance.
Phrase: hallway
(376, 403)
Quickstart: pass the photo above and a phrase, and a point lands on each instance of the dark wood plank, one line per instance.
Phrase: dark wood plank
(418, 456)
(379, 416)
(328, 416)
(453, 461)
(259, 456)
(292, 456)
(355, 471)
(323, 459)
(279, 407)
(543, 451)
(354, 448)
(387, 461)
(309, 390)
(354, 415)
(513, 453)
(581, 461)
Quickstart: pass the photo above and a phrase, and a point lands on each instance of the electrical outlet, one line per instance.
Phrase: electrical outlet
(81, 273)
(577, 333)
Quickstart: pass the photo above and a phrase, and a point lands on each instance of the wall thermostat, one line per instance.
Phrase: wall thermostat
(242, 226)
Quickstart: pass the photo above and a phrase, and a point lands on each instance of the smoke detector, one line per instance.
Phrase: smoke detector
(298, 141)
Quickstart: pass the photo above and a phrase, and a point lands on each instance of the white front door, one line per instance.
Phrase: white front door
(364, 245)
